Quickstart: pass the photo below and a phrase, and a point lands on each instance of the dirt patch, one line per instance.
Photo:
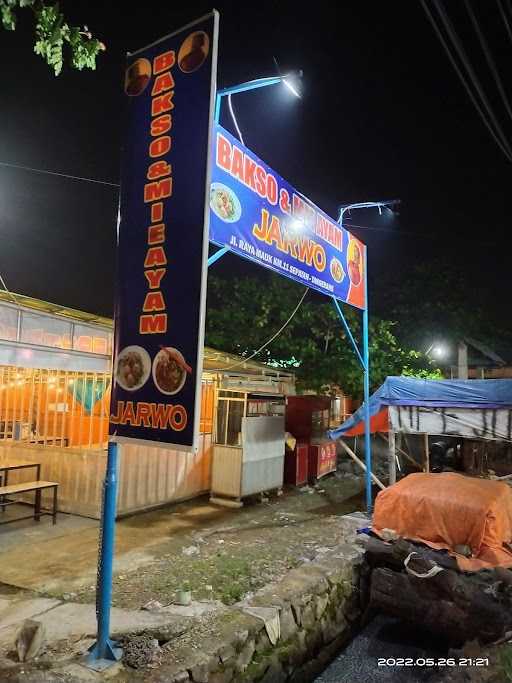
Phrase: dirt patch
(225, 558)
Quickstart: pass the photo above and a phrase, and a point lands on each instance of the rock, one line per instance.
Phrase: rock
(389, 535)
(321, 604)
(29, 639)
(314, 642)
(245, 656)
(226, 653)
(152, 606)
(191, 550)
(308, 616)
(263, 643)
(240, 638)
(180, 677)
(201, 672)
(288, 625)
(224, 676)
(141, 651)
(504, 575)
(323, 550)
(274, 674)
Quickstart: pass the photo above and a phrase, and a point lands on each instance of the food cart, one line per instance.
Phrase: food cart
(307, 419)
(249, 444)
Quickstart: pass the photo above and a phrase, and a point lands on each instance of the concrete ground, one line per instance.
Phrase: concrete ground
(61, 561)
(28, 532)
(48, 572)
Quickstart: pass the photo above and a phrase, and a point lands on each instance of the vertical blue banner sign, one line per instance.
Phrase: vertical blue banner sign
(163, 238)
(260, 216)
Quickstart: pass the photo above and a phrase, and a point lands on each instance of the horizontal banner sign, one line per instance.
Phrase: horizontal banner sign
(163, 238)
(260, 216)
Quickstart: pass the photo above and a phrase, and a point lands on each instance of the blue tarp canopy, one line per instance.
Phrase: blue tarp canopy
(448, 393)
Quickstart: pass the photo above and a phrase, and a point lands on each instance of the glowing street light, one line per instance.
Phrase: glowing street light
(288, 80)
(291, 87)
(437, 350)
(384, 204)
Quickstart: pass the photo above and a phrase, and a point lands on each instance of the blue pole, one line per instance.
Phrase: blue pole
(104, 651)
(348, 331)
(251, 85)
(216, 115)
(243, 87)
(366, 359)
(218, 254)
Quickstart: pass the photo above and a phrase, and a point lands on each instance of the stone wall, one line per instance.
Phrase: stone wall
(288, 631)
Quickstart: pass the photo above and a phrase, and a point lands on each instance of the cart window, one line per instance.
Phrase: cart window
(229, 421)
(222, 418)
(236, 412)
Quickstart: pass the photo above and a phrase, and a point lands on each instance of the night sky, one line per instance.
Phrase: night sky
(383, 116)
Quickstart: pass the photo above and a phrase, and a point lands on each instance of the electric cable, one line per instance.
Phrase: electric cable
(269, 340)
(62, 175)
(471, 72)
(463, 80)
(232, 112)
(489, 58)
(505, 19)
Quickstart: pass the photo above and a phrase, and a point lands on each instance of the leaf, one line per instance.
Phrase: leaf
(52, 33)
(8, 17)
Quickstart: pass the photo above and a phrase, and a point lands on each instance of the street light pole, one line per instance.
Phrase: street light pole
(244, 87)
(253, 85)
(365, 361)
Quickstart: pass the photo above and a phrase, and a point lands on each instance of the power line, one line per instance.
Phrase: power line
(244, 360)
(232, 112)
(505, 19)
(488, 56)
(502, 144)
(55, 173)
(472, 74)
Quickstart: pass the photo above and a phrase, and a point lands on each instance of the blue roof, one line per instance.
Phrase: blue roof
(447, 393)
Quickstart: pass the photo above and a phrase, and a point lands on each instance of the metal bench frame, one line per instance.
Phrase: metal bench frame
(38, 510)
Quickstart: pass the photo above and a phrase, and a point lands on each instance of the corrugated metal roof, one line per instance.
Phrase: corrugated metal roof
(54, 309)
(214, 360)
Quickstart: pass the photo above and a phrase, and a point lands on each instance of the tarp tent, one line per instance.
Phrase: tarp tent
(472, 408)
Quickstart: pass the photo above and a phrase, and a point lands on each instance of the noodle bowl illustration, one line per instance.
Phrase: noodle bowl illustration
(170, 370)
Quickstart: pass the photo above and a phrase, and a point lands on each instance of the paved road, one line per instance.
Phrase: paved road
(384, 638)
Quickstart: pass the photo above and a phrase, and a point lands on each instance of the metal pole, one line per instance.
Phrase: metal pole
(216, 114)
(104, 652)
(366, 359)
(348, 331)
(218, 254)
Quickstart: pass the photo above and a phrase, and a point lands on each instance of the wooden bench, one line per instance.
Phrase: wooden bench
(26, 487)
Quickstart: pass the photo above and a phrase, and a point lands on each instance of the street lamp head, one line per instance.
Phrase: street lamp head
(290, 81)
(291, 88)
(439, 351)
